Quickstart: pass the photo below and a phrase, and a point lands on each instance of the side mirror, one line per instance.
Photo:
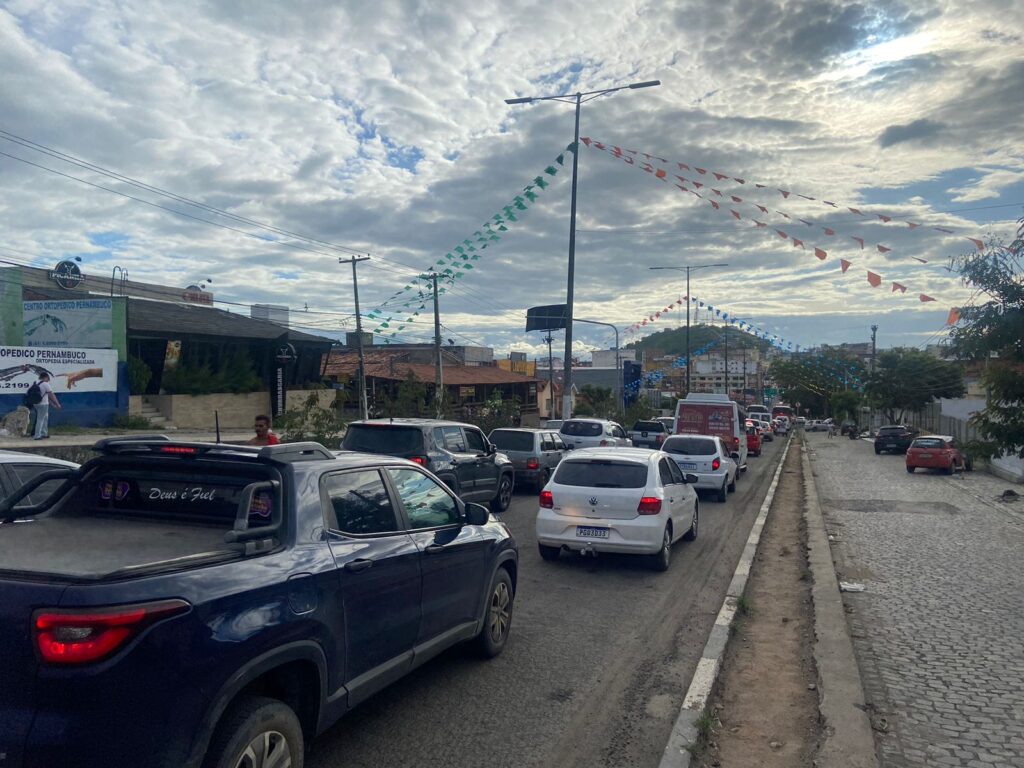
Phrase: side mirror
(491, 449)
(734, 455)
(476, 514)
(690, 478)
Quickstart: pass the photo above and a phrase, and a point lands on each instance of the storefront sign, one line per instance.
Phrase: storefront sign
(197, 295)
(71, 370)
(74, 323)
(67, 275)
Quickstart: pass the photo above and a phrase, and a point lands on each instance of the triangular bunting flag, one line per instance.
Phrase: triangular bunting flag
(875, 280)
(954, 316)
(820, 254)
(844, 264)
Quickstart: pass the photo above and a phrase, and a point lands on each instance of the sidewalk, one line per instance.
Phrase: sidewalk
(938, 629)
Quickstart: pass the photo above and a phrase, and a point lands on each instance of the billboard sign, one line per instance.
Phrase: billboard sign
(83, 323)
(706, 419)
(71, 370)
(550, 317)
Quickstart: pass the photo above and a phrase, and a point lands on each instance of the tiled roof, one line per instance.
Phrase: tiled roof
(385, 364)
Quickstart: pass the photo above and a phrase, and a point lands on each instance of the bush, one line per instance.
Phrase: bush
(139, 376)
(309, 421)
(123, 421)
(235, 375)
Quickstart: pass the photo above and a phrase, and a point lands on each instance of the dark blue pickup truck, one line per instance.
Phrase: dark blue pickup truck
(177, 604)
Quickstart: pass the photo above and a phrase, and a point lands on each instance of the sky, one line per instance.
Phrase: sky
(382, 129)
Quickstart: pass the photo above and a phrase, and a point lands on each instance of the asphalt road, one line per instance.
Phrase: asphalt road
(595, 670)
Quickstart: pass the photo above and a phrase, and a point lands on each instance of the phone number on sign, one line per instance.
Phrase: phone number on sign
(14, 385)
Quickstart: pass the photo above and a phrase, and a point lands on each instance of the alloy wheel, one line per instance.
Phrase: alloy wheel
(269, 749)
(499, 612)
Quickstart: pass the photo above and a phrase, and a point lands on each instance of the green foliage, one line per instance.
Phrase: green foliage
(235, 375)
(673, 341)
(139, 376)
(598, 402)
(845, 404)
(994, 331)
(124, 421)
(308, 421)
(906, 380)
(639, 410)
(410, 400)
(812, 379)
(495, 413)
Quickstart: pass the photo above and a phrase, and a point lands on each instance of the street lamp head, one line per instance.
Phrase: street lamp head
(523, 100)
(647, 84)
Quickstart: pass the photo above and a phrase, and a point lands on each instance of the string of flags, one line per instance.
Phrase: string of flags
(630, 157)
(460, 260)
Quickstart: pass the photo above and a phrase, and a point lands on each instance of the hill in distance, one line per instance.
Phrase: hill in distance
(673, 341)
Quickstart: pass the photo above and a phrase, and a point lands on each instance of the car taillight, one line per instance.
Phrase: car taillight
(532, 464)
(605, 442)
(180, 450)
(715, 464)
(649, 505)
(736, 442)
(547, 501)
(661, 438)
(421, 460)
(86, 636)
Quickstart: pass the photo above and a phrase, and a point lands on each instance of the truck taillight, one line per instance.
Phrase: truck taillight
(547, 501)
(421, 460)
(649, 505)
(75, 636)
(715, 464)
(532, 464)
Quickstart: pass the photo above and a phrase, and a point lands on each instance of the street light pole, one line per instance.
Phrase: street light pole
(619, 384)
(577, 99)
(687, 269)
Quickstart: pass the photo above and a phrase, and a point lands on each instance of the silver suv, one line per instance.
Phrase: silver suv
(534, 452)
(593, 433)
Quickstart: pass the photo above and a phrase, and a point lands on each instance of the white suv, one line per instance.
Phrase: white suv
(707, 457)
(593, 433)
(633, 501)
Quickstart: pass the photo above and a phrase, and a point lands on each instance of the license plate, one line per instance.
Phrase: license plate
(643, 434)
(590, 532)
(687, 465)
(890, 445)
(925, 456)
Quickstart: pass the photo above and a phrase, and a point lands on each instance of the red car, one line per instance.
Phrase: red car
(936, 452)
(753, 439)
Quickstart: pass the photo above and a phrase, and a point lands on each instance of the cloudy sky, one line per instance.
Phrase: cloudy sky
(382, 128)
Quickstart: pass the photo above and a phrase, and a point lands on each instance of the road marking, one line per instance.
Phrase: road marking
(684, 733)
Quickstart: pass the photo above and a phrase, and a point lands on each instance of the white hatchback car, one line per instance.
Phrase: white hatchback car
(17, 468)
(593, 433)
(707, 457)
(627, 500)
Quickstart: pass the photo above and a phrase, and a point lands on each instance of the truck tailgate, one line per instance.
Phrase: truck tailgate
(18, 664)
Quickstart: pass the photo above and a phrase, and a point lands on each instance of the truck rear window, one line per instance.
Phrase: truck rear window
(648, 426)
(582, 428)
(512, 440)
(690, 446)
(383, 438)
(599, 473)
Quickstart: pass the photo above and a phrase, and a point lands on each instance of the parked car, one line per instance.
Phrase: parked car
(534, 452)
(187, 604)
(708, 458)
(459, 454)
(593, 433)
(937, 452)
(648, 434)
(753, 438)
(17, 468)
(553, 424)
(617, 500)
(894, 437)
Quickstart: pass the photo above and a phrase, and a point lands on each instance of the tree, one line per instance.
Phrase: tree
(906, 380)
(497, 411)
(993, 331)
(410, 400)
(845, 404)
(811, 379)
(309, 421)
(596, 401)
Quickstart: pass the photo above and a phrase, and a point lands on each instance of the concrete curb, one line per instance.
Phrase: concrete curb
(847, 740)
(685, 733)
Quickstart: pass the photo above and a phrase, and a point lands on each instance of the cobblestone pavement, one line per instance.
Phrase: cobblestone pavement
(939, 631)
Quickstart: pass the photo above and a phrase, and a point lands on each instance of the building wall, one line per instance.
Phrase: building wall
(235, 411)
(525, 367)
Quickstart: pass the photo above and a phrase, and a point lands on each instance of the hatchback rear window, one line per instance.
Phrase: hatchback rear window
(929, 442)
(383, 438)
(512, 440)
(690, 446)
(891, 430)
(582, 428)
(601, 473)
(648, 426)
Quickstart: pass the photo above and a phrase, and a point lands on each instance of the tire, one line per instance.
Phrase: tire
(910, 469)
(878, 451)
(252, 723)
(545, 475)
(691, 534)
(969, 465)
(549, 553)
(662, 559)
(732, 486)
(498, 617)
(950, 469)
(722, 494)
(503, 497)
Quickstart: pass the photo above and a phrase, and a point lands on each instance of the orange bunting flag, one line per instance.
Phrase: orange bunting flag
(714, 205)
(898, 287)
(782, 234)
(785, 193)
(760, 223)
(826, 202)
(875, 280)
(734, 213)
(660, 173)
(716, 192)
(923, 261)
(913, 225)
(738, 180)
(798, 243)
(924, 298)
(980, 245)
(859, 240)
(884, 218)
(844, 264)
(763, 209)
(736, 199)
(683, 166)
(720, 176)
(829, 231)
(883, 249)
(808, 223)
(820, 254)
(854, 210)
(701, 171)
(954, 316)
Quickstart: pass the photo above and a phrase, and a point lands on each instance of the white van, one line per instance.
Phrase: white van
(707, 414)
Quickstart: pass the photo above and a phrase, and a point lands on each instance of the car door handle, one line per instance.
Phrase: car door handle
(434, 549)
(354, 566)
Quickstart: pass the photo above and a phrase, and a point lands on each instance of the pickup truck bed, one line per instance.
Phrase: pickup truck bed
(94, 548)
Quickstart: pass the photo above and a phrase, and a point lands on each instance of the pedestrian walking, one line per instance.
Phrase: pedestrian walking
(263, 434)
(41, 396)
(831, 430)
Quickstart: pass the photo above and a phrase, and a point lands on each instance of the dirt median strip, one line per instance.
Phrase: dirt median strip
(686, 731)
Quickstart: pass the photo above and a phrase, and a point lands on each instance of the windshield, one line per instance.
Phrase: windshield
(383, 438)
(512, 440)
(582, 428)
(928, 442)
(648, 426)
(690, 446)
(601, 473)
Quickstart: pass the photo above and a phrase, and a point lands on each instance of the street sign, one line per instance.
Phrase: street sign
(549, 317)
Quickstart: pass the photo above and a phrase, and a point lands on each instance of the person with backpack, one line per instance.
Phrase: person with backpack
(39, 397)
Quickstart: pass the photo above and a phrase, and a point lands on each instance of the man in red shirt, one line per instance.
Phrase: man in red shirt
(263, 434)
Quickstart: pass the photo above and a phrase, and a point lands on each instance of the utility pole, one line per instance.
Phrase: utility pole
(438, 378)
(361, 377)
(551, 378)
(726, 329)
(874, 333)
